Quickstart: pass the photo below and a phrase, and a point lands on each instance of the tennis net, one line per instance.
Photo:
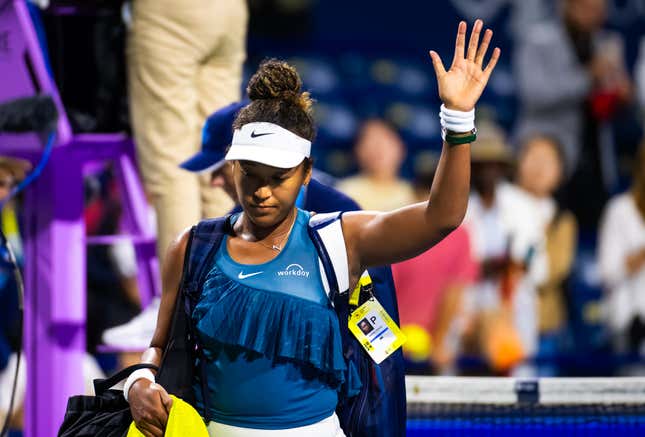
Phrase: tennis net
(459, 406)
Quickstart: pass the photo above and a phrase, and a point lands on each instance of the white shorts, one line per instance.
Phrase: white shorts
(329, 427)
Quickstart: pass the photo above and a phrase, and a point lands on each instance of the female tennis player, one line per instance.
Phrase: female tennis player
(265, 274)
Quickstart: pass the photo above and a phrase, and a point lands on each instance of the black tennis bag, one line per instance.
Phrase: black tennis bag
(105, 415)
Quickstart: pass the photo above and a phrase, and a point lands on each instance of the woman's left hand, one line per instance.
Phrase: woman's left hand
(462, 85)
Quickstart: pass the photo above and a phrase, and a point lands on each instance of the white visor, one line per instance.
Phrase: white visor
(268, 144)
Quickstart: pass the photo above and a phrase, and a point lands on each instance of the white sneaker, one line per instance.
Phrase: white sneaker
(138, 332)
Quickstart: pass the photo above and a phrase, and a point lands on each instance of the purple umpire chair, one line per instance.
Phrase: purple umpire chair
(54, 231)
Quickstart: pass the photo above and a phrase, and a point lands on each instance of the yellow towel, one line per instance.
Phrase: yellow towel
(183, 420)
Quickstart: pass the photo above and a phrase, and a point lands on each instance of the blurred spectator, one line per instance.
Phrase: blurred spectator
(429, 290)
(507, 242)
(622, 262)
(540, 171)
(185, 61)
(379, 154)
(572, 79)
(522, 12)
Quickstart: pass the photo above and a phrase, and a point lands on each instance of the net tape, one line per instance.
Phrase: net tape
(510, 401)
(508, 391)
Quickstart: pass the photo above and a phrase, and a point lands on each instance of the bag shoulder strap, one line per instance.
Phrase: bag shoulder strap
(326, 233)
(206, 237)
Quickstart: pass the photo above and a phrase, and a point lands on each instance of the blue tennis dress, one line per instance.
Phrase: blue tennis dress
(271, 339)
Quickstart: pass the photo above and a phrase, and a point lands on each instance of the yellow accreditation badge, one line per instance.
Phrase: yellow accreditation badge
(372, 325)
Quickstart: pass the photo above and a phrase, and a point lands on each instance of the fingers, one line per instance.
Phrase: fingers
(437, 64)
(492, 62)
(156, 421)
(461, 42)
(150, 405)
(481, 51)
(160, 417)
(150, 430)
(474, 40)
(166, 400)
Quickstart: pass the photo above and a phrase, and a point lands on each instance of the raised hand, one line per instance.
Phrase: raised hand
(462, 85)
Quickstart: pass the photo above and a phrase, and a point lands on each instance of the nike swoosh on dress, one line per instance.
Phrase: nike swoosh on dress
(248, 275)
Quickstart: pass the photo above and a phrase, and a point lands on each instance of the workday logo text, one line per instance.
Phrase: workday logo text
(293, 270)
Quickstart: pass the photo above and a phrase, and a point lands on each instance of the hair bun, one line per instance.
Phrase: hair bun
(277, 80)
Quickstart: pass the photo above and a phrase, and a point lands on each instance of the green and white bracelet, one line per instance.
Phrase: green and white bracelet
(457, 127)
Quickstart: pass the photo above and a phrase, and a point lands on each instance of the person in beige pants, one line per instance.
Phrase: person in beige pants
(184, 62)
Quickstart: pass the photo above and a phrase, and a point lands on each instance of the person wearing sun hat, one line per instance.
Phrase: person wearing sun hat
(491, 146)
(508, 243)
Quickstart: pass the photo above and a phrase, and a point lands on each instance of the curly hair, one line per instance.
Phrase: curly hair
(276, 97)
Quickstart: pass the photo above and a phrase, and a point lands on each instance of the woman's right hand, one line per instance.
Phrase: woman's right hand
(150, 405)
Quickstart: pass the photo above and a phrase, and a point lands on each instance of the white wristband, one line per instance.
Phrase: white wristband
(463, 126)
(134, 376)
(457, 121)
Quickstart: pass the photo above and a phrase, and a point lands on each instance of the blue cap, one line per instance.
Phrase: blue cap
(217, 135)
